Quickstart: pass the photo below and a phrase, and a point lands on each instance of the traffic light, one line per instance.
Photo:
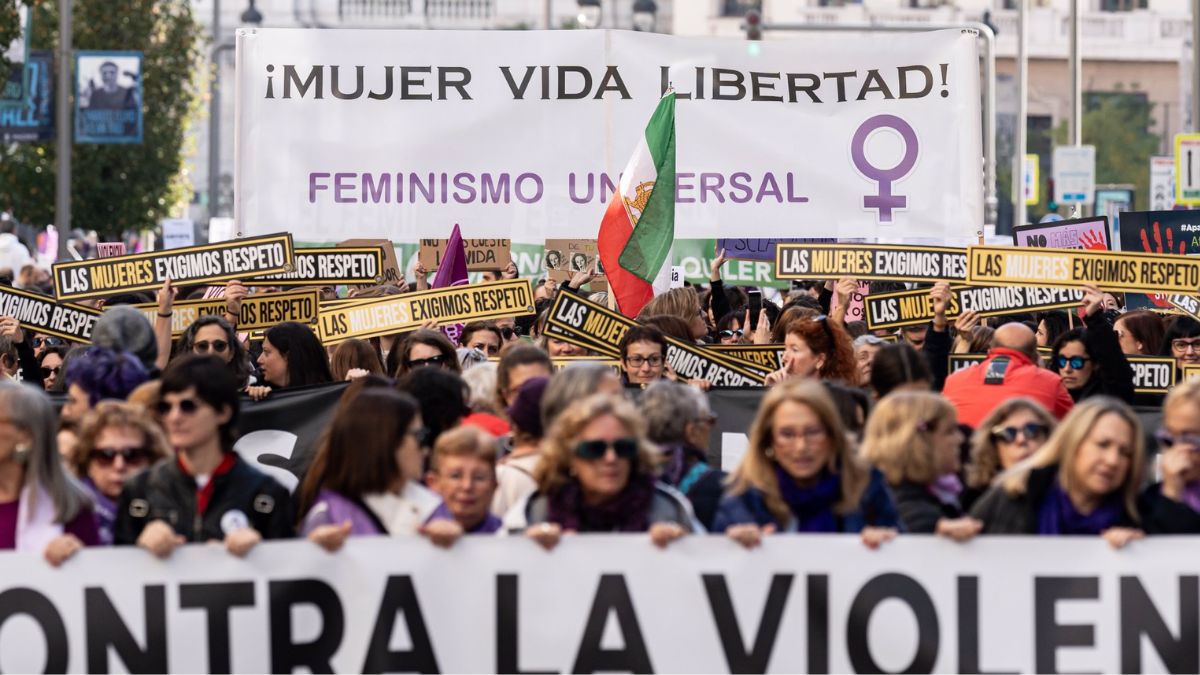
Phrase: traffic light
(753, 24)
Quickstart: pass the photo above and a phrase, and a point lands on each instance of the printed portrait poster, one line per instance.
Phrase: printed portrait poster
(564, 257)
(108, 97)
(1175, 232)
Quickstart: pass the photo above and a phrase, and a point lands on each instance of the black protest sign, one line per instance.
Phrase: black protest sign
(600, 329)
(329, 266)
(237, 259)
(258, 311)
(910, 308)
(870, 262)
(1188, 304)
(41, 314)
(1152, 374)
(769, 357)
(1114, 271)
(959, 362)
(397, 313)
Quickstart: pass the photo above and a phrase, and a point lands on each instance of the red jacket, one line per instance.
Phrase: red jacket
(1012, 375)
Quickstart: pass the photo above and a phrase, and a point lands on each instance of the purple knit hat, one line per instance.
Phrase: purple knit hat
(526, 408)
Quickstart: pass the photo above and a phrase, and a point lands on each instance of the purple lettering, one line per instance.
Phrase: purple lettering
(681, 185)
(711, 182)
(524, 179)
(769, 186)
(313, 186)
(591, 188)
(340, 187)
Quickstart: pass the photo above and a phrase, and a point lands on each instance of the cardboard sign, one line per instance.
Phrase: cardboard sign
(870, 262)
(564, 257)
(110, 249)
(769, 357)
(856, 311)
(1114, 271)
(396, 313)
(1081, 233)
(237, 259)
(587, 324)
(41, 314)
(482, 254)
(911, 308)
(259, 311)
(329, 266)
(392, 274)
(762, 249)
(959, 362)
(1153, 374)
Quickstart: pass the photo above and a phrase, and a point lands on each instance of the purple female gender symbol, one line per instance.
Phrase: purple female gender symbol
(884, 201)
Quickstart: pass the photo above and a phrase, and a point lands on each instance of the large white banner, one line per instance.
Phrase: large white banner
(611, 603)
(523, 134)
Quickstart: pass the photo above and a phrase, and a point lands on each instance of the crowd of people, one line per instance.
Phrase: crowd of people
(857, 431)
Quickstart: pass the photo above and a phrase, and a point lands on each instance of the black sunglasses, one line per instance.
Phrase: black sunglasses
(730, 333)
(1075, 361)
(187, 406)
(218, 346)
(626, 448)
(47, 372)
(134, 455)
(431, 361)
(48, 341)
(509, 331)
(1032, 432)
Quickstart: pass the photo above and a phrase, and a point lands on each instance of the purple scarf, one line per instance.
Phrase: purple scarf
(947, 489)
(1191, 495)
(1059, 516)
(677, 455)
(813, 507)
(627, 512)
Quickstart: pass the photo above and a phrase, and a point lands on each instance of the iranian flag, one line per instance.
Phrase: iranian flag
(639, 225)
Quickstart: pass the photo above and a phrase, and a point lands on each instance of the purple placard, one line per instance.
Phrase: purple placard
(762, 249)
(1081, 233)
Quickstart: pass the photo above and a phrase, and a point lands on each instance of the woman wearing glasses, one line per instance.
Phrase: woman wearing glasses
(597, 475)
(206, 492)
(1084, 480)
(643, 355)
(1183, 341)
(800, 474)
(1173, 505)
(1009, 434)
(116, 441)
(425, 347)
(213, 335)
(50, 363)
(1090, 360)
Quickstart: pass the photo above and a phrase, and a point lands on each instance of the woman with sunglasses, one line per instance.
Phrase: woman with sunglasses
(800, 474)
(816, 347)
(913, 437)
(1076, 356)
(1008, 435)
(207, 491)
(41, 510)
(424, 347)
(597, 475)
(50, 365)
(1084, 480)
(116, 441)
(292, 356)
(1172, 506)
(42, 342)
(213, 335)
(365, 476)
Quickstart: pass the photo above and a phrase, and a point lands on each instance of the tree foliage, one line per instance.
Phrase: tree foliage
(117, 187)
(1120, 125)
(9, 27)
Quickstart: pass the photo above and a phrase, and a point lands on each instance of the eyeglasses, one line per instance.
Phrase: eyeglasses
(637, 361)
(1167, 440)
(187, 406)
(730, 333)
(1185, 345)
(106, 456)
(431, 361)
(218, 346)
(626, 448)
(48, 341)
(809, 434)
(1075, 361)
(47, 372)
(1032, 432)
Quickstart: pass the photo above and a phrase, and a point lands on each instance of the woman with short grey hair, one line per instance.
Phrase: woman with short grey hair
(680, 422)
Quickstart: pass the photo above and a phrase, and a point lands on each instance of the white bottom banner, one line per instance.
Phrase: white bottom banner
(611, 603)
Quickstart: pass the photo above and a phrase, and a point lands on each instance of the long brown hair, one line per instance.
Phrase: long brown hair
(355, 353)
(757, 469)
(553, 471)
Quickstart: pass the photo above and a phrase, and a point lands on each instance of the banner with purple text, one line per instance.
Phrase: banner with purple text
(522, 134)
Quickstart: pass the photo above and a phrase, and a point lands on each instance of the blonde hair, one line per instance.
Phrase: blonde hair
(1063, 446)
(985, 456)
(757, 468)
(1187, 391)
(558, 448)
(680, 302)
(898, 439)
(465, 441)
(117, 415)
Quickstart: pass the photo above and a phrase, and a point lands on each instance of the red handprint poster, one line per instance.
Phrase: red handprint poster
(1087, 233)
(1175, 232)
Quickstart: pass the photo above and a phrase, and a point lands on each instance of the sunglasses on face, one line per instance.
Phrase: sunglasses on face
(1167, 440)
(1075, 361)
(187, 406)
(626, 448)
(47, 372)
(217, 346)
(47, 341)
(431, 361)
(1032, 432)
(730, 333)
(509, 332)
(106, 456)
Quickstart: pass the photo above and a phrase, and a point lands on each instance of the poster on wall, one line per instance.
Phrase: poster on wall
(108, 97)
